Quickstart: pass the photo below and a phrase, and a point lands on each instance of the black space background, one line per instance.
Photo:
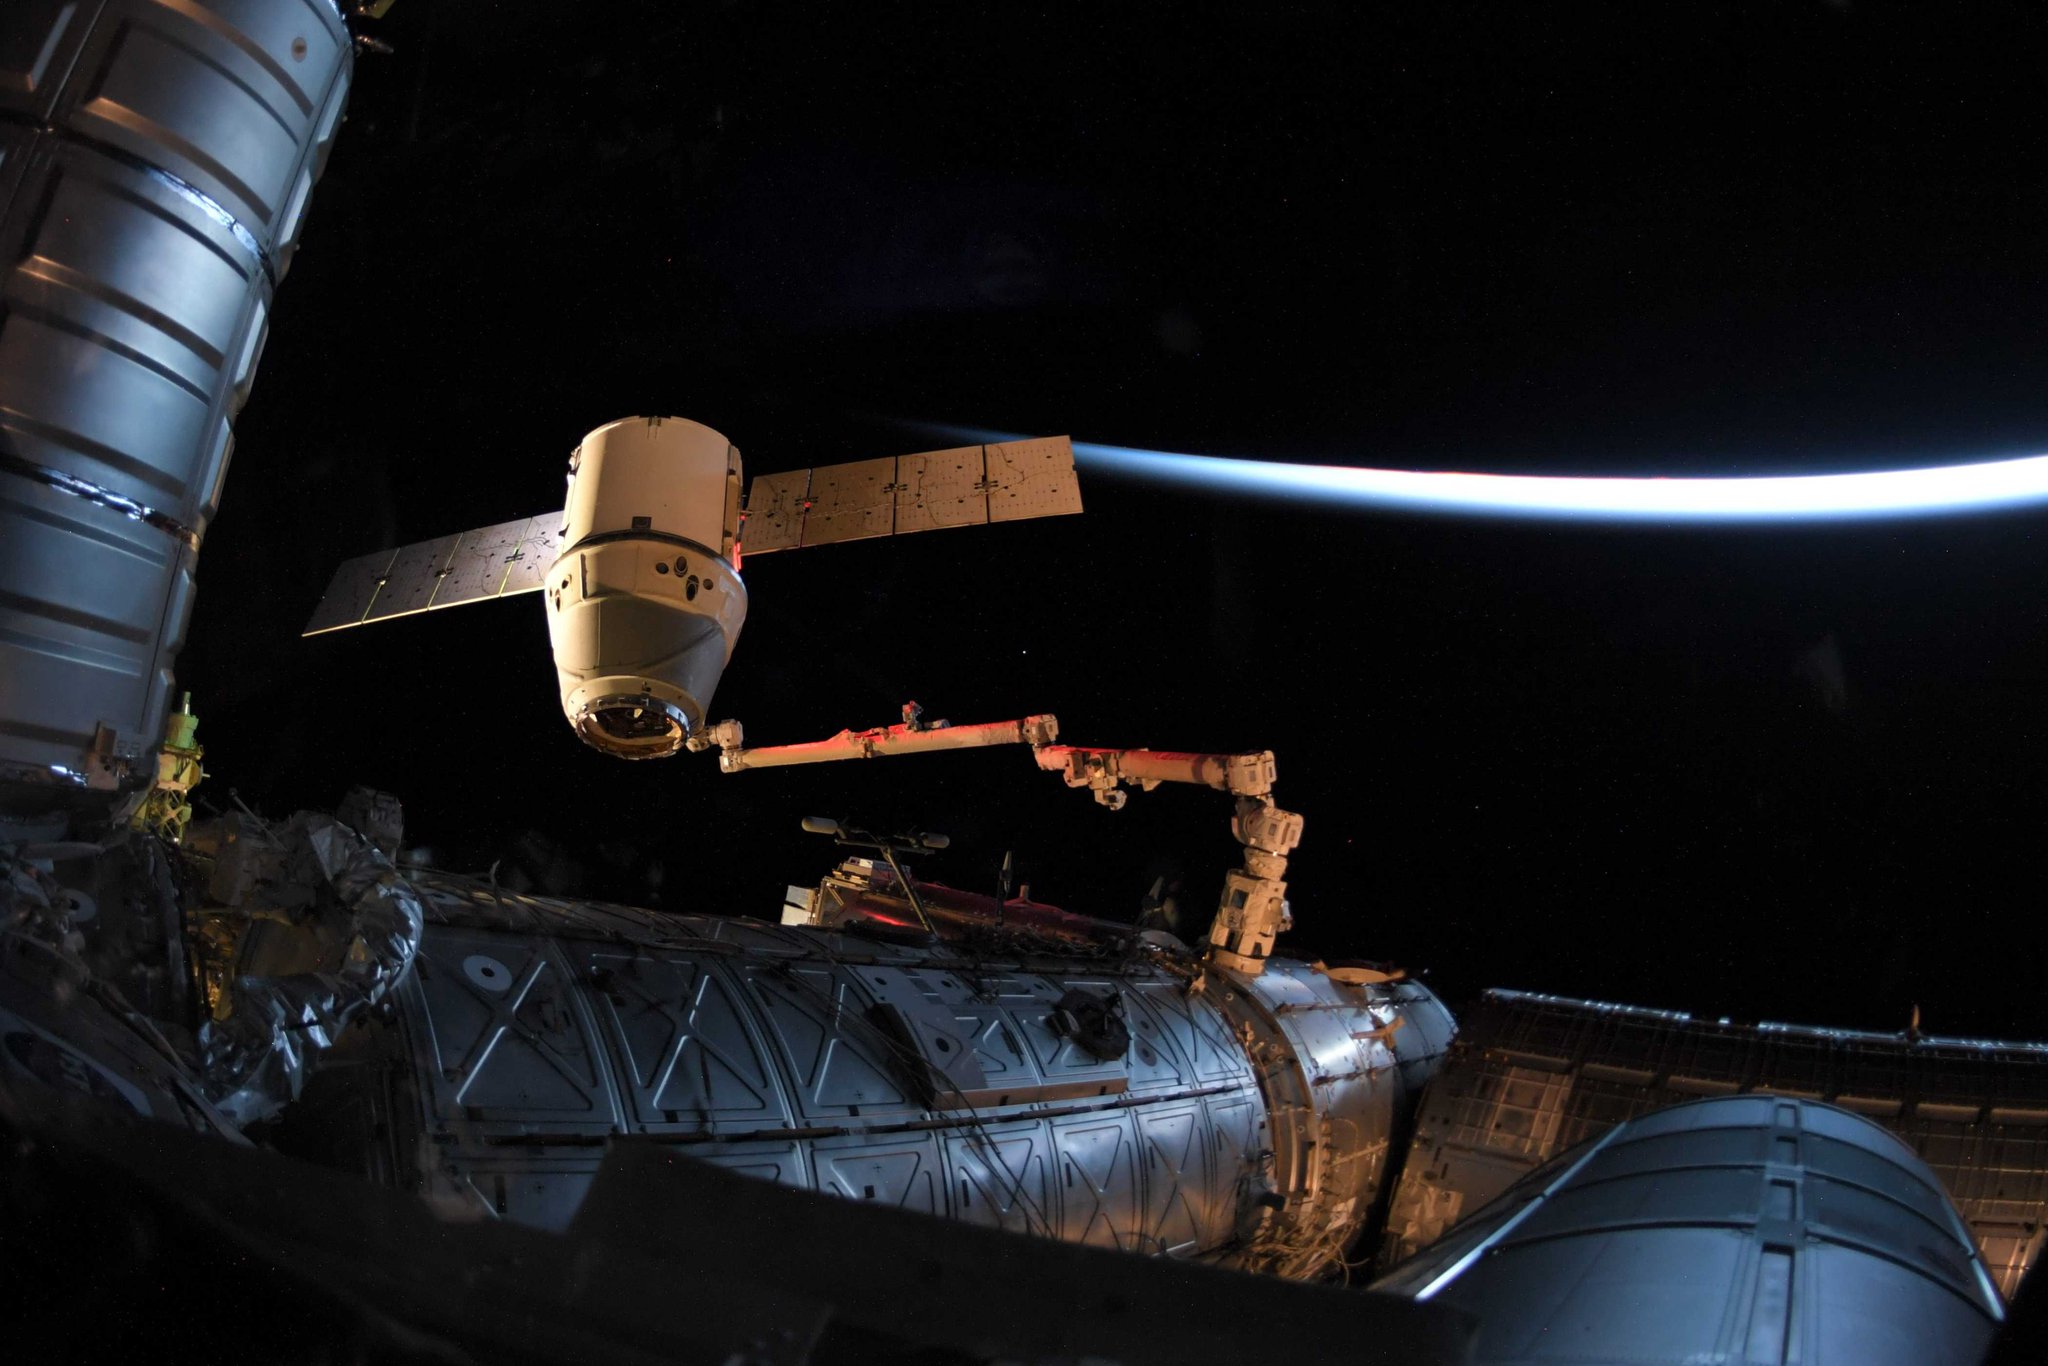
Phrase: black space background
(1669, 239)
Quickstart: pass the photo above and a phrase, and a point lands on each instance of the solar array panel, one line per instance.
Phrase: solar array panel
(940, 489)
(775, 512)
(850, 502)
(896, 495)
(1032, 479)
(489, 562)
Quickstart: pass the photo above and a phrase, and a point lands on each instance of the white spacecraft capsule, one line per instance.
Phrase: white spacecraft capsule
(645, 601)
(640, 569)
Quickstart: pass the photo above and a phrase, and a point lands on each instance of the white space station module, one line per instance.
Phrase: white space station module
(475, 1124)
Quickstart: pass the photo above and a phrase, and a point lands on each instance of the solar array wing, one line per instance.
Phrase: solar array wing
(489, 562)
(962, 486)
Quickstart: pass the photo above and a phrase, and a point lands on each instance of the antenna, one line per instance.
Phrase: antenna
(888, 846)
(1003, 884)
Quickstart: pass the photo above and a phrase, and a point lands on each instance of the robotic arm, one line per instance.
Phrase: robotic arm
(1253, 908)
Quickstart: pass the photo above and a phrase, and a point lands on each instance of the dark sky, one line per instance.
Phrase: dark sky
(1794, 774)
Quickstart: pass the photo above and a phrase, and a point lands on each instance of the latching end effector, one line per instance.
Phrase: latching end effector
(1254, 907)
(725, 736)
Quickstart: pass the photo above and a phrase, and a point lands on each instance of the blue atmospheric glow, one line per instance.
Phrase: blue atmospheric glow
(1755, 499)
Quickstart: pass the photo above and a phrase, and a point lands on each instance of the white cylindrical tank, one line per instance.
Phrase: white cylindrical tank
(158, 158)
(1752, 1228)
(645, 601)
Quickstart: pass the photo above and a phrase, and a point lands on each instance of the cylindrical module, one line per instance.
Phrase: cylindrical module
(645, 603)
(1123, 1101)
(1341, 1065)
(1754, 1228)
(156, 160)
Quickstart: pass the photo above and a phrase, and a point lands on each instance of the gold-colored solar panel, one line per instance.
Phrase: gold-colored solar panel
(1032, 479)
(775, 512)
(851, 502)
(940, 489)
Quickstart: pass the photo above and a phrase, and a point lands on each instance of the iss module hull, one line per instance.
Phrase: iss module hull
(1532, 1075)
(1248, 1121)
(1757, 1229)
(155, 164)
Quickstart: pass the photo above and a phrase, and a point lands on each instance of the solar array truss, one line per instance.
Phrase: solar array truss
(1009, 481)
(965, 486)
